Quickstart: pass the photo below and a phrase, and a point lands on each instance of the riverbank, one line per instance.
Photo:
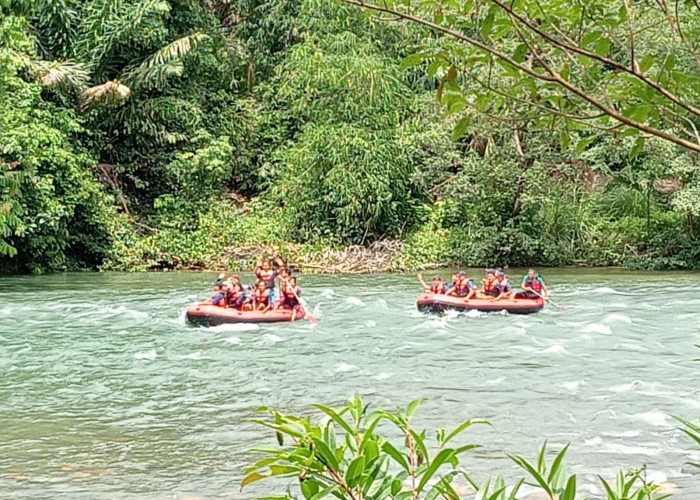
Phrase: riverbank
(232, 235)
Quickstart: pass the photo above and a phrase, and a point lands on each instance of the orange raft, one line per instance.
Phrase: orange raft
(435, 303)
(209, 315)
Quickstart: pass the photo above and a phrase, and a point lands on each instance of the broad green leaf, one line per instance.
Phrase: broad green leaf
(487, 24)
(322, 451)
(460, 128)
(440, 459)
(557, 463)
(520, 53)
(413, 406)
(255, 476)
(355, 470)
(638, 146)
(336, 418)
(464, 425)
(570, 491)
(647, 62)
(590, 37)
(309, 488)
(395, 454)
(602, 47)
(413, 60)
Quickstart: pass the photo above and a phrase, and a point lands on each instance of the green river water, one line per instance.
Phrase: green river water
(106, 393)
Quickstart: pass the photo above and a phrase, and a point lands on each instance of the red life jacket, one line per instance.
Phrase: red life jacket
(534, 283)
(439, 288)
(262, 297)
(234, 298)
(491, 286)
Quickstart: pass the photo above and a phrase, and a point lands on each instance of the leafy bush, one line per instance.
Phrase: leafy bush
(348, 454)
(347, 183)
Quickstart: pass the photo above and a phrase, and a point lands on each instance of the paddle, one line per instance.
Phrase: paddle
(548, 300)
(304, 305)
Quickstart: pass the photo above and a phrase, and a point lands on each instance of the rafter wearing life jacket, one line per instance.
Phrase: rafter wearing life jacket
(236, 297)
(490, 284)
(261, 296)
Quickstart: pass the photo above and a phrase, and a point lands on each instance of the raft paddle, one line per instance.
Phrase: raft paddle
(549, 300)
(304, 305)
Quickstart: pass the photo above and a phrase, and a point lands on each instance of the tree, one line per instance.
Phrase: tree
(625, 67)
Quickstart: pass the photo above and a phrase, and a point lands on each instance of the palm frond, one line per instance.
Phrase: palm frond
(177, 49)
(163, 64)
(143, 77)
(66, 74)
(109, 93)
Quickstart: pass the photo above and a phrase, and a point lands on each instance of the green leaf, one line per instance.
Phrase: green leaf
(280, 470)
(440, 459)
(412, 60)
(533, 472)
(395, 487)
(309, 488)
(395, 454)
(255, 476)
(355, 470)
(622, 13)
(647, 62)
(336, 418)
(557, 463)
(413, 406)
(570, 491)
(461, 427)
(487, 25)
(602, 47)
(520, 53)
(565, 139)
(590, 37)
(460, 128)
(638, 146)
(322, 451)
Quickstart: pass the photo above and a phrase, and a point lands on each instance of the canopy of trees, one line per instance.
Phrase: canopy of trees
(154, 133)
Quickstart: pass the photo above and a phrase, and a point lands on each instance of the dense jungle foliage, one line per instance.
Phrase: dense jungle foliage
(160, 134)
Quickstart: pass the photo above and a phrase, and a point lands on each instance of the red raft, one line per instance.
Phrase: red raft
(435, 303)
(208, 315)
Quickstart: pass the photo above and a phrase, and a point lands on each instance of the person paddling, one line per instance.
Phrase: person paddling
(533, 285)
(438, 286)
(464, 287)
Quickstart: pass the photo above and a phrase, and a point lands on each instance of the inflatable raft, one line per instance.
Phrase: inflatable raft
(208, 315)
(431, 302)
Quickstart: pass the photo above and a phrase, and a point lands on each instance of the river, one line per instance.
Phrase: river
(106, 393)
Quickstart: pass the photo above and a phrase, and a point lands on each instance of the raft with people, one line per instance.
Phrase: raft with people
(230, 301)
(209, 315)
(496, 293)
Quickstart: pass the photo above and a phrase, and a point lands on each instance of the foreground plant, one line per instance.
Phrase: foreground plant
(343, 455)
